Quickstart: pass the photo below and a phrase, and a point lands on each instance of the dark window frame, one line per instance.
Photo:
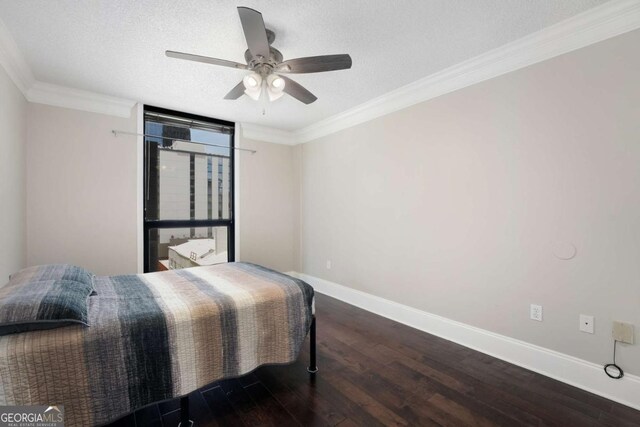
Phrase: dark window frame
(190, 223)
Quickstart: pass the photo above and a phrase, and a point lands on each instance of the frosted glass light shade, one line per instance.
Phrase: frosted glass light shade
(275, 86)
(252, 85)
(252, 81)
(273, 95)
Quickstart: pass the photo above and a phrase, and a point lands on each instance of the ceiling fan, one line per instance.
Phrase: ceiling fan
(267, 64)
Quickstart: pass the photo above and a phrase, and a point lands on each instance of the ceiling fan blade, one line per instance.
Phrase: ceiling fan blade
(236, 92)
(315, 64)
(254, 31)
(205, 59)
(297, 91)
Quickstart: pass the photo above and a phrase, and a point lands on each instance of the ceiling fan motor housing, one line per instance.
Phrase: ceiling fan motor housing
(264, 66)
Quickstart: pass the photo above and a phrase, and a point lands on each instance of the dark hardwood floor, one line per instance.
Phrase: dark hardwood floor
(374, 371)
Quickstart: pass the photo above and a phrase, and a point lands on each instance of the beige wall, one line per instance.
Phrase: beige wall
(454, 206)
(13, 134)
(82, 195)
(268, 210)
(81, 190)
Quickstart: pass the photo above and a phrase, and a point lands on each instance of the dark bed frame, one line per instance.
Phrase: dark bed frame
(312, 369)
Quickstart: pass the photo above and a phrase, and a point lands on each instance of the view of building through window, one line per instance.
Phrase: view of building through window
(188, 194)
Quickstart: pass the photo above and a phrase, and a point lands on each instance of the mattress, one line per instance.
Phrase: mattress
(158, 336)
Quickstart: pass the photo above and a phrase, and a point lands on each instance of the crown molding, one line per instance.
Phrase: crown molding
(13, 62)
(38, 92)
(267, 134)
(594, 25)
(61, 96)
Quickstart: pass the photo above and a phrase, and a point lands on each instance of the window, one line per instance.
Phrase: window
(188, 194)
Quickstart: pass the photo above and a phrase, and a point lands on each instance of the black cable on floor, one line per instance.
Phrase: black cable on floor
(613, 367)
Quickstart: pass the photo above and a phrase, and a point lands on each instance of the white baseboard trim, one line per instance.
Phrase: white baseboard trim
(562, 367)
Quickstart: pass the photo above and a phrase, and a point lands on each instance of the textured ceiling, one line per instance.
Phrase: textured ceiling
(116, 47)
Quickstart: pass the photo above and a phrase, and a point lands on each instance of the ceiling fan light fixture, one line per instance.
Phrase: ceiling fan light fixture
(273, 95)
(252, 81)
(252, 85)
(275, 82)
(275, 87)
(253, 93)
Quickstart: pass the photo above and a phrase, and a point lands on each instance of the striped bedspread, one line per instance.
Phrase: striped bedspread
(157, 336)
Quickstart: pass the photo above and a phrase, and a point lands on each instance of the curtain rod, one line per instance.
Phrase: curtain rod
(124, 132)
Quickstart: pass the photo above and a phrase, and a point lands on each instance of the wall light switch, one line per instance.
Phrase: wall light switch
(587, 323)
(623, 332)
(328, 264)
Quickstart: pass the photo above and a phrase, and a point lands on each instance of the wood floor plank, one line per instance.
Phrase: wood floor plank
(432, 413)
(169, 406)
(310, 410)
(613, 421)
(484, 397)
(625, 413)
(221, 408)
(171, 418)
(149, 417)
(199, 412)
(127, 421)
(244, 406)
(323, 388)
(276, 414)
(546, 404)
(348, 422)
(360, 397)
(582, 396)
(248, 379)
(426, 370)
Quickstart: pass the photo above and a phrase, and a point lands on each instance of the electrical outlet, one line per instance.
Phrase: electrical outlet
(623, 332)
(587, 323)
(536, 312)
(328, 264)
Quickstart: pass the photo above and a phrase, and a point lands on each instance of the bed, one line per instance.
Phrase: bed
(158, 336)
